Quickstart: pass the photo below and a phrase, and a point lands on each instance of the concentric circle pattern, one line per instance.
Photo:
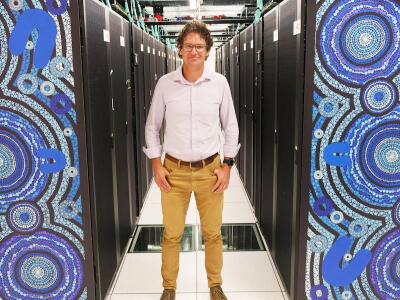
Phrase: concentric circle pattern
(40, 272)
(396, 212)
(375, 155)
(20, 177)
(24, 217)
(42, 264)
(384, 268)
(365, 40)
(358, 35)
(379, 97)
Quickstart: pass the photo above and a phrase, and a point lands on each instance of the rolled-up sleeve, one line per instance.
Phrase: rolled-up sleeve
(229, 123)
(153, 124)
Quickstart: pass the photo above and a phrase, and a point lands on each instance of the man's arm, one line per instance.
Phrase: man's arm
(231, 134)
(153, 126)
(229, 124)
(152, 136)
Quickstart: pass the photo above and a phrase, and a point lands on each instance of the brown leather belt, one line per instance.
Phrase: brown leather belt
(193, 164)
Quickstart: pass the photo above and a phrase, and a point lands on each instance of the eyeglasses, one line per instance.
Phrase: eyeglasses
(189, 48)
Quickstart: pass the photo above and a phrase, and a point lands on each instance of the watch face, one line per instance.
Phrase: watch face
(230, 162)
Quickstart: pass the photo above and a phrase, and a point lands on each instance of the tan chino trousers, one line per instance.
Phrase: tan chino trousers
(183, 181)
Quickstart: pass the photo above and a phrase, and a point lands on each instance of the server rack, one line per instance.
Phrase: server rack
(268, 127)
(234, 82)
(148, 84)
(249, 112)
(178, 61)
(289, 130)
(218, 60)
(140, 112)
(121, 110)
(243, 89)
(98, 103)
(258, 116)
(234, 72)
(246, 62)
(225, 61)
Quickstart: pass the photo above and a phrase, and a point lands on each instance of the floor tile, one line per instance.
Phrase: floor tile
(235, 193)
(141, 273)
(154, 194)
(253, 273)
(179, 296)
(282, 286)
(237, 212)
(246, 296)
(235, 178)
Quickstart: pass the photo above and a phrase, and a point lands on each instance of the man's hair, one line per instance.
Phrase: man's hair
(196, 27)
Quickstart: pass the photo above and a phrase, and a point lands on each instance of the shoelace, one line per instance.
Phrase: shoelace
(218, 291)
(168, 293)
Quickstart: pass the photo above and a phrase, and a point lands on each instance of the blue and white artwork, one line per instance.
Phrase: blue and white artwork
(353, 214)
(44, 239)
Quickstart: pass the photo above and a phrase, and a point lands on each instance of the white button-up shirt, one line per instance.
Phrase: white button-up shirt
(194, 113)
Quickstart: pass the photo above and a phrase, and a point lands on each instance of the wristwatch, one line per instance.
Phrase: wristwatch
(230, 162)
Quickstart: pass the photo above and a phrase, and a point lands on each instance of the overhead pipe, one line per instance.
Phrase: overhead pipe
(207, 21)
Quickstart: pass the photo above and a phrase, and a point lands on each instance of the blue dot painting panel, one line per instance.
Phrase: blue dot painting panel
(353, 233)
(43, 237)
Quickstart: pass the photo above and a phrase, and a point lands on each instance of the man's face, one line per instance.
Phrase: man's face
(193, 50)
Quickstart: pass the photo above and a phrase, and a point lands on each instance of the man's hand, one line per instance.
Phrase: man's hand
(223, 175)
(159, 177)
(159, 174)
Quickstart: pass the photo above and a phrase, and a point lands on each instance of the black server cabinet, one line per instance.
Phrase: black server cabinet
(152, 81)
(159, 60)
(268, 128)
(132, 146)
(246, 108)
(107, 98)
(139, 115)
(249, 112)
(98, 115)
(257, 117)
(289, 129)
(242, 47)
(178, 61)
(147, 76)
(218, 60)
(234, 83)
(120, 105)
(234, 71)
(173, 59)
(159, 65)
(171, 65)
(149, 73)
(225, 60)
(152, 66)
(164, 60)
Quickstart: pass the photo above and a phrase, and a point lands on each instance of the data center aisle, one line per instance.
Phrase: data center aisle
(248, 272)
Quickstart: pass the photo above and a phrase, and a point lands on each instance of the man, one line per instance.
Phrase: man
(194, 102)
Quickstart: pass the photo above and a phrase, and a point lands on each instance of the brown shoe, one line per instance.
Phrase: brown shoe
(216, 293)
(168, 295)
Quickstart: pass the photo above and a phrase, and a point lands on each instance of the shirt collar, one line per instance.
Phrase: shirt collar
(178, 76)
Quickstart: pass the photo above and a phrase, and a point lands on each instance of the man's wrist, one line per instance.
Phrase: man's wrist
(228, 161)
